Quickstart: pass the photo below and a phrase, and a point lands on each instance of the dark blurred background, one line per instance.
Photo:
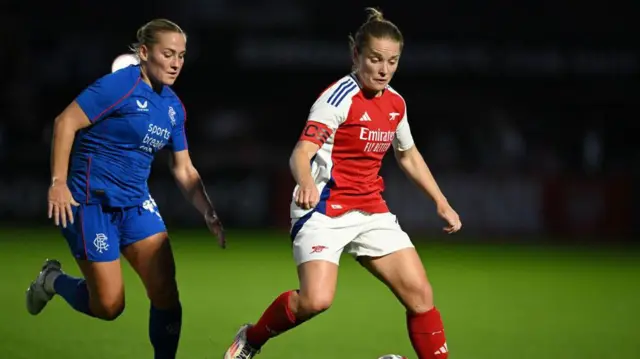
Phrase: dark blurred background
(527, 115)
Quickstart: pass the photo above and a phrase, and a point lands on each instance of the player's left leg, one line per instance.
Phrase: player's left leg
(145, 244)
(387, 252)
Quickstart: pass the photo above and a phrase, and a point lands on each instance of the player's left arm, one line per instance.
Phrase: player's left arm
(190, 182)
(415, 167)
(185, 173)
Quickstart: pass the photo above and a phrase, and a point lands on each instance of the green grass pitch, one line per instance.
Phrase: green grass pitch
(497, 301)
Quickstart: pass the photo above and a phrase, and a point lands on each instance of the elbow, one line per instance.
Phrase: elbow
(294, 158)
(298, 157)
(59, 122)
(61, 128)
(292, 163)
(65, 124)
(409, 159)
(302, 154)
(405, 165)
(185, 173)
(193, 173)
(398, 156)
(403, 159)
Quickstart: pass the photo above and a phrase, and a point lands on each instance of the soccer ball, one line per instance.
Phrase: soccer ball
(392, 356)
(123, 61)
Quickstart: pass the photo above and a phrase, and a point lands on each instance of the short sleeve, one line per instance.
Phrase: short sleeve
(403, 140)
(101, 98)
(322, 122)
(329, 111)
(324, 113)
(178, 140)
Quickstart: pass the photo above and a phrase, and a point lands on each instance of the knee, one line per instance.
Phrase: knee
(107, 307)
(314, 304)
(163, 293)
(418, 297)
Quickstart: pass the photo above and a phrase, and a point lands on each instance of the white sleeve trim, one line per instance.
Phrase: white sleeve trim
(332, 107)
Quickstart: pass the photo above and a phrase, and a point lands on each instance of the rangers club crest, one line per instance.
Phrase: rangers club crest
(172, 116)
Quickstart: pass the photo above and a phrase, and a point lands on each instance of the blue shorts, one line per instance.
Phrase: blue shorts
(98, 232)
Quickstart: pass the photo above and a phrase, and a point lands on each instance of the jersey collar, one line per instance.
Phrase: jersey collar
(355, 78)
(166, 91)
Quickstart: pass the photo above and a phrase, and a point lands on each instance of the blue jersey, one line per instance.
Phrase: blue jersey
(111, 159)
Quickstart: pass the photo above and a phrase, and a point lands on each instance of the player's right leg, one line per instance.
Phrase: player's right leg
(93, 240)
(317, 246)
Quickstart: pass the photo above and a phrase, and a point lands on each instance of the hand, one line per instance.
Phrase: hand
(450, 216)
(60, 202)
(307, 196)
(215, 226)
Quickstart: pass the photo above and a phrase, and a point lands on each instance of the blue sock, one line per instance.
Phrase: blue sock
(74, 291)
(164, 331)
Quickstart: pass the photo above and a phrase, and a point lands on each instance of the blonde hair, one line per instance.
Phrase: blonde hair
(376, 26)
(147, 34)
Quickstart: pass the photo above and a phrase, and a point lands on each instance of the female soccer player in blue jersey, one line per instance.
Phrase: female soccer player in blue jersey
(103, 145)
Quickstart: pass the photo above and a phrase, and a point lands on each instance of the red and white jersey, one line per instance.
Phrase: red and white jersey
(354, 132)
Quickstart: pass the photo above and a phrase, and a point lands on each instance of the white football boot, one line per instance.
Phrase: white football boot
(41, 289)
(240, 349)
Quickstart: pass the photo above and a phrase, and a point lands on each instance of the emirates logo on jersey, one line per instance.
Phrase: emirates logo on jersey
(376, 140)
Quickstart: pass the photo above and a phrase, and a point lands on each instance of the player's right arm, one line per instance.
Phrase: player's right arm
(96, 102)
(65, 126)
(307, 196)
(324, 119)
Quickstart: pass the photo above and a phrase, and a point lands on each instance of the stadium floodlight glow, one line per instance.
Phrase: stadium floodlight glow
(123, 61)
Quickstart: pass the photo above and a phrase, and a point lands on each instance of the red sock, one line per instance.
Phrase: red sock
(277, 319)
(427, 335)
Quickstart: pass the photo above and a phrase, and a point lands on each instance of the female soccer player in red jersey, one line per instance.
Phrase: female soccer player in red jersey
(338, 202)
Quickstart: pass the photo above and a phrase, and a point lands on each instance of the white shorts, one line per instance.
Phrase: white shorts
(320, 237)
